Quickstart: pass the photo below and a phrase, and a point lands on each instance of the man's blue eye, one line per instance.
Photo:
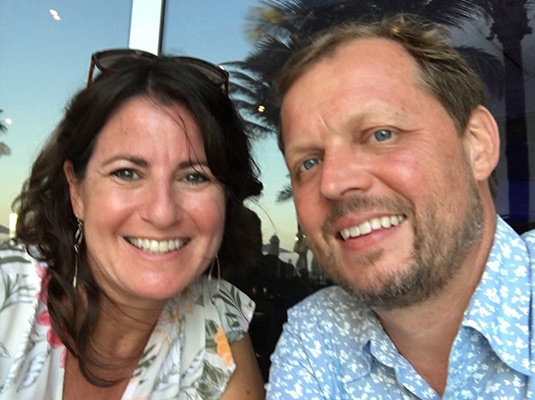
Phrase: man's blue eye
(382, 134)
(309, 164)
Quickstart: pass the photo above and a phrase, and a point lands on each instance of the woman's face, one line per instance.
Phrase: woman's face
(153, 212)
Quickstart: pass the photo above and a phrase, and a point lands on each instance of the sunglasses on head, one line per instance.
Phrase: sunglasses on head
(111, 61)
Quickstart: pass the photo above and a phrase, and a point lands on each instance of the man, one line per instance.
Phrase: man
(390, 151)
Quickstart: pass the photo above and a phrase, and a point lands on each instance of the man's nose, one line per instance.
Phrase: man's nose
(345, 170)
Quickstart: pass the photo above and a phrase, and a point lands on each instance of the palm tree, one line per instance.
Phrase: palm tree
(4, 148)
(279, 27)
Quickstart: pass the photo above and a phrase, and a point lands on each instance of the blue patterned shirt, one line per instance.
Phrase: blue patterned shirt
(334, 348)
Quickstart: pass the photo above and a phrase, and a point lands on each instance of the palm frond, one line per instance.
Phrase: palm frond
(285, 194)
(489, 68)
(4, 149)
(3, 128)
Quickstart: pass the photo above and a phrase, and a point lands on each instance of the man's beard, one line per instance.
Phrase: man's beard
(436, 257)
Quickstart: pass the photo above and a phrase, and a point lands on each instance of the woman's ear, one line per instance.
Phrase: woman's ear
(77, 203)
(482, 141)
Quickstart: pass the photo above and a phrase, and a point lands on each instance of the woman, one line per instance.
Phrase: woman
(137, 193)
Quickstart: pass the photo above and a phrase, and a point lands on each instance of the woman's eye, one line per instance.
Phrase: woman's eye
(126, 174)
(307, 165)
(195, 178)
(382, 134)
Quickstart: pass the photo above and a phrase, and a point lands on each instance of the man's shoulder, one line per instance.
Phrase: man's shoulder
(509, 241)
(529, 239)
(321, 298)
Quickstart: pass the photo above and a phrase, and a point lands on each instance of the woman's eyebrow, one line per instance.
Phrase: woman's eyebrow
(126, 157)
(141, 162)
(190, 163)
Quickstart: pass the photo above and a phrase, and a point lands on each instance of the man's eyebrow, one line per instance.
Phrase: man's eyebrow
(300, 148)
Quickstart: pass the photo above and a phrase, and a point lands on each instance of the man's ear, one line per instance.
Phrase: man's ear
(482, 141)
(77, 203)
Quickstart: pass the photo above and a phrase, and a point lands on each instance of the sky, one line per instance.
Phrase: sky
(44, 61)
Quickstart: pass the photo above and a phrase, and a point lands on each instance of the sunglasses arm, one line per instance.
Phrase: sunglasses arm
(90, 76)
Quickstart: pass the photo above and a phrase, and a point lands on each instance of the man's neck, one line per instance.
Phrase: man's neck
(424, 333)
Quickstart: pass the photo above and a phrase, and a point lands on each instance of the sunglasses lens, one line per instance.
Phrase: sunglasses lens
(108, 61)
(214, 73)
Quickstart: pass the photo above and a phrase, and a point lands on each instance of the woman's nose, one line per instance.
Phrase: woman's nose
(162, 207)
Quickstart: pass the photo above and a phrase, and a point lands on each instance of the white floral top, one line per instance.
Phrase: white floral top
(334, 348)
(187, 356)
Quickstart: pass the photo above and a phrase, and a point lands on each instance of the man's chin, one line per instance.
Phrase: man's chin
(396, 290)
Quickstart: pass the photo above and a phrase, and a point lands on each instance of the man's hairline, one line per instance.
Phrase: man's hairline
(419, 80)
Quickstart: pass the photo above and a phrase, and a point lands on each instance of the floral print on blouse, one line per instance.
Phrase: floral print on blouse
(187, 357)
(334, 348)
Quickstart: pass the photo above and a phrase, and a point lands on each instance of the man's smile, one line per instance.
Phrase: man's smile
(371, 225)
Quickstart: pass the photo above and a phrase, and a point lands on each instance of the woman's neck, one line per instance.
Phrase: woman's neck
(123, 331)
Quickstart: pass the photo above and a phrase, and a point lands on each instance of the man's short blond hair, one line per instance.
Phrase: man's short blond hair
(444, 71)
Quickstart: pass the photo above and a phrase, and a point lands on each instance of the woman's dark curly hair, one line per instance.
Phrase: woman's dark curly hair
(47, 224)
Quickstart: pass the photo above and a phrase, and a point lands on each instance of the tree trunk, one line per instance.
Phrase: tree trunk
(510, 26)
(516, 146)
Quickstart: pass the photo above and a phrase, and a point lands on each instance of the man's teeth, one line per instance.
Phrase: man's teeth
(371, 225)
(156, 246)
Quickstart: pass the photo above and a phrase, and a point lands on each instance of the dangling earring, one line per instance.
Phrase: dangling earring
(78, 238)
(216, 262)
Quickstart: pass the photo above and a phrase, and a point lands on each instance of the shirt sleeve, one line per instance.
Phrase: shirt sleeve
(234, 307)
(18, 273)
(292, 374)
(19, 288)
(227, 314)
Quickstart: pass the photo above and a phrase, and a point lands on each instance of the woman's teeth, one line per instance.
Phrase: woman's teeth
(156, 246)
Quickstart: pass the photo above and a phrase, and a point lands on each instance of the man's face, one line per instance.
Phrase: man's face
(381, 180)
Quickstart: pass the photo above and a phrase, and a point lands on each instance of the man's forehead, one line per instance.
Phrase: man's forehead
(361, 66)
(362, 55)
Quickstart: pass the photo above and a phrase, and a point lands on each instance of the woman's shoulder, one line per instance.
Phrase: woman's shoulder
(13, 252)
(25, 333)
(194, 334)
(222, 305)
(235, 308)
(19, 272)
(14, 259)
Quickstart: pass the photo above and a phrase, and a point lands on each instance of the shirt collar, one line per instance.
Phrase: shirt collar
(500, 307)
(366, 340)
(357, 329)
